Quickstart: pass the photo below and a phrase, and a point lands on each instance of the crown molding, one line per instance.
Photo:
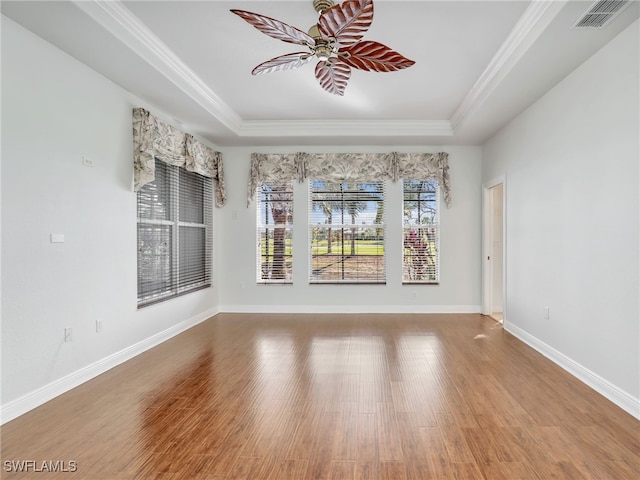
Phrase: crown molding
(344, 128)
(124, 25)
(118, 20)
(529, 27)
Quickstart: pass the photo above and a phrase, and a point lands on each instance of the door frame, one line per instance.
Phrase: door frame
(487, 244)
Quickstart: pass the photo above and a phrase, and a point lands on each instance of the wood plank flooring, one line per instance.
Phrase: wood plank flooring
(340, 397)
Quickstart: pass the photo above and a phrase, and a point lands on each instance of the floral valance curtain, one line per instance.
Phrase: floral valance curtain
(425, 166)
(351, 167)
(153, 138)
(267, 167)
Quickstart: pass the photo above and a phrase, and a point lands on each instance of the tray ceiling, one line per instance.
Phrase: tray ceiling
(478, 64)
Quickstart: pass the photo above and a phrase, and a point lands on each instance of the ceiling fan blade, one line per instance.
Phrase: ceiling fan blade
(347, 22)
(275, 28)
(333, 76)
(283, 62)
(374, 57)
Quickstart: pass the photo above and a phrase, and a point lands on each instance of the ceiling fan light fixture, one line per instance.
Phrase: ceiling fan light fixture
(324, 51)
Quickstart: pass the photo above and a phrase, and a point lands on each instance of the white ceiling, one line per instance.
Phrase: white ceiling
(478, 64)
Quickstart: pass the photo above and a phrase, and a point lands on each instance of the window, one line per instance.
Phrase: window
(275, 229)
(347, 232)
(421, 231)
(174, 234)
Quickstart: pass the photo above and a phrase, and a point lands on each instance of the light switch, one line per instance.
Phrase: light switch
(57, 238)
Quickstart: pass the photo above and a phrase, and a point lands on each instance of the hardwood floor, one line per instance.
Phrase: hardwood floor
(295, 397)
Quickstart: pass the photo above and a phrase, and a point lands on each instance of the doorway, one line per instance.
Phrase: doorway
(494, 250)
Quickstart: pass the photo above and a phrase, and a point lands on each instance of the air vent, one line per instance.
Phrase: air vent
(601, 13)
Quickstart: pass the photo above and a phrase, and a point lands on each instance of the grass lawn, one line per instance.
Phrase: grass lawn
(363, 247)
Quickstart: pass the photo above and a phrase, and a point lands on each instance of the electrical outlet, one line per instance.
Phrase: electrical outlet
(68, 334)
(546, 313)
(413, 294)
(98, 326)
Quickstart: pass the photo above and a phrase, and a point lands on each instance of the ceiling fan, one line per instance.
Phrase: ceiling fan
(335, 41)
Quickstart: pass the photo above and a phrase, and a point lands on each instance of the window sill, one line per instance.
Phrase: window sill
(345, 282)
(168, 296)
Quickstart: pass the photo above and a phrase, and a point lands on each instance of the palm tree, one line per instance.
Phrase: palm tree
(355, 204)
(327, 209)
(279, 201)
(327, 203)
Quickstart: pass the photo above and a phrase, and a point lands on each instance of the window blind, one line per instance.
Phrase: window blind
(347, 232)
(421, 232)
(174, 234)
(275, 232)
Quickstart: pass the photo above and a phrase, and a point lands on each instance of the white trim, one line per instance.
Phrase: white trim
(22, 405)
(530, 26)
(487, 242)
(344, 128)
(618, 396)
(349, 309)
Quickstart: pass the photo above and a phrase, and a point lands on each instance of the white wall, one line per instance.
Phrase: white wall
(55, 111)
(571, 163)
(459, 289)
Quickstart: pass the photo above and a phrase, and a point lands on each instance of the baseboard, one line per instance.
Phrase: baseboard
(22, 405)
(618, 396)
(350, 309)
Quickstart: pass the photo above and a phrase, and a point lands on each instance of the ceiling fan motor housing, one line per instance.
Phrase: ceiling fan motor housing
(322, 5)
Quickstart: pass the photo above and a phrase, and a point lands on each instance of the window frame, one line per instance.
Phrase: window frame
(379, 187)
(416, 242)
(174, 277)
(261, 205)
